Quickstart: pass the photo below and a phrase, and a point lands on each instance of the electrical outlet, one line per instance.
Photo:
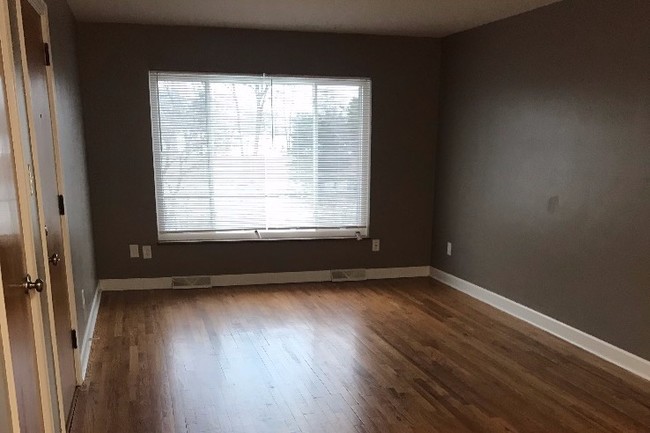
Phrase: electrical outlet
(375, 245)
(134, 251)
(449, 248)
(146, 251)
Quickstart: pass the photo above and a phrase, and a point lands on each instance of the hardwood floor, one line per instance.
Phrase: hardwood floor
(377, 356)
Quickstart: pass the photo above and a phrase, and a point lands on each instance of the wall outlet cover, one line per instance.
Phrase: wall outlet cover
(146, 251)
(134, 251)
(449, 248)
(375, 245)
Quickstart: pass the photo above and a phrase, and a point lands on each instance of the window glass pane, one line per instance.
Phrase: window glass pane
(260, 153)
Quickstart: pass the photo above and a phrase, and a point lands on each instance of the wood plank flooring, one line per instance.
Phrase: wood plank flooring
(403, 356)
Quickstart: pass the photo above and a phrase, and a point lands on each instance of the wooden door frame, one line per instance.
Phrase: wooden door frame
(24, 197)
(41, 8)
(60, 184)
(7, 384)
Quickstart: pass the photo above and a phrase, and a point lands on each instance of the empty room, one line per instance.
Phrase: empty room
(289, 216)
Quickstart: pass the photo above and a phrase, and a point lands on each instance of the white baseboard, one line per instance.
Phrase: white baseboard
(600, 348)
(87, 342)
(261, 278)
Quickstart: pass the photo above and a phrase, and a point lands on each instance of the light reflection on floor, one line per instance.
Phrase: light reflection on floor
(282, 361)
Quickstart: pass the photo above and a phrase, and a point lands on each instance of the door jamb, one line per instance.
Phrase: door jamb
(58, 166)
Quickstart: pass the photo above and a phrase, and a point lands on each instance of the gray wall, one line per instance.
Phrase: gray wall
(114, 61)
(543, 166)
(71, 139)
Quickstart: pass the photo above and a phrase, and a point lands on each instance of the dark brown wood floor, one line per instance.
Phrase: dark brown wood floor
(381, 356)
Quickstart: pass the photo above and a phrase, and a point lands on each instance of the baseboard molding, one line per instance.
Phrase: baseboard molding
(87, 342)
(261, 278)
(600, 348)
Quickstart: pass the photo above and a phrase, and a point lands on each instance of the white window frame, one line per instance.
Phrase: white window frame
(190, 236)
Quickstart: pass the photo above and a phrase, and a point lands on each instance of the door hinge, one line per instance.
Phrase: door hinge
(46, 48)
(61, 205)
(75, 343)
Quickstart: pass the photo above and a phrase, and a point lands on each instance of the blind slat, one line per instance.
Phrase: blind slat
(261, 156)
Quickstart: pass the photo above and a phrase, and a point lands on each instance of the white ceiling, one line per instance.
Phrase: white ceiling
(393, 17)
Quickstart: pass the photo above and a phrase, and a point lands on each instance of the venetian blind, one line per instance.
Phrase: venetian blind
(240, 157)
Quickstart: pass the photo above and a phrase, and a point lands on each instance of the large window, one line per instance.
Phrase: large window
(246, 157)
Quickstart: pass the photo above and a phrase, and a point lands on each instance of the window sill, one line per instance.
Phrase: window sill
(262, 236)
